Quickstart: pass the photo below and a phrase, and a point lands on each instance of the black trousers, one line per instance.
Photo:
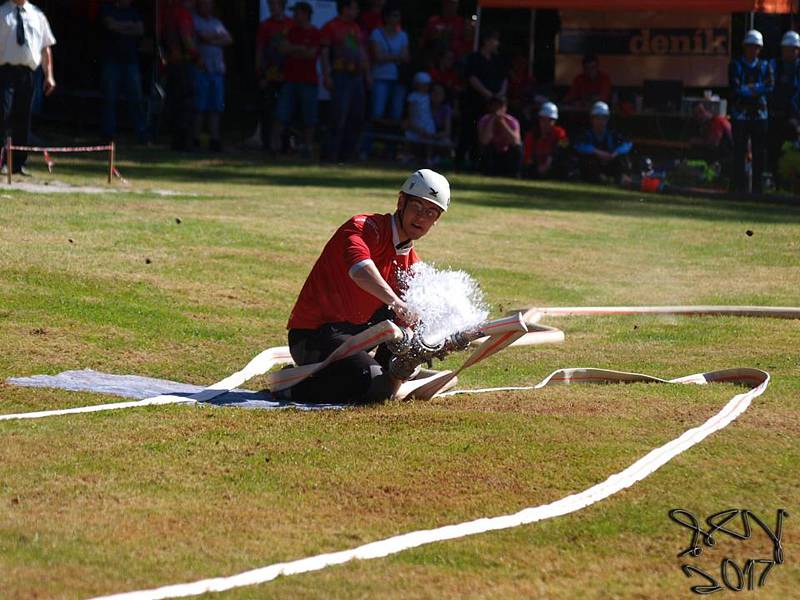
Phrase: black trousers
(592, 169)
(754, 131)
(781, 129)
(180, 105)
(16, 87)
(356, 379)
(495, 162)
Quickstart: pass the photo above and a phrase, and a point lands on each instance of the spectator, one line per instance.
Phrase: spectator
(751, 83)
(442, 114)
(421, 125)
(499, 136)
(372, 18)
(546, 149)
(182, 56)
(521, 84)
(444, 31)
(122, 30)
(389, 51)
(591, 86)
(603, 153)
(270, 36)
(784, 104)
(485, 78)
(444, 72)
(210, 75)
(344, 67)
(301, 50)
(25, 41)
(716, 137)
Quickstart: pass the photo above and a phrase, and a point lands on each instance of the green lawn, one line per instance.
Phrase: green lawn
(120, 501)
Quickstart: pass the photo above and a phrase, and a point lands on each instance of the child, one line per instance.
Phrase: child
(421, 126)
(442, 113)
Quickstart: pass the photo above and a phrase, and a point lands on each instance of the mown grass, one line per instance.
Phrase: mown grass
(120, 501)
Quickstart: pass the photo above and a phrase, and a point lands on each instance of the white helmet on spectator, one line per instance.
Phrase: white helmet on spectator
(549, 110)
(791, 39)
(600, 109)
(753, 38)
(428, 185)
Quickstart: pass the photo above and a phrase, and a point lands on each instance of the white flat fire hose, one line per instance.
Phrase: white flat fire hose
(504, 336)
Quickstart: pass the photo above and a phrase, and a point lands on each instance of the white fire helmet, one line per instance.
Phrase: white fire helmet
(428, 185)
(753, 38)
(791, 39)
(549, 110)
(600, 109)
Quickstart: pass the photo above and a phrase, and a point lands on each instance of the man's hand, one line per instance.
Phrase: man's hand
(49, 85)
(403, 312)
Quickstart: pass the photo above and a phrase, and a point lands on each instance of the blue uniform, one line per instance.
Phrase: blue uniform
(751, 84)
(784, 110)
(592, 168)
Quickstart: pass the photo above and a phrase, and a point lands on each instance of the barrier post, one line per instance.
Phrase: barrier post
(112, 150)
(9, 159)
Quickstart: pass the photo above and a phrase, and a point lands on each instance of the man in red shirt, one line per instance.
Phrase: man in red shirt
(372, 18)
(182, 55)
(300, 50)
(271, 34)
(545, 149)
(590, 86)
(355, 284)
(345, 67)
(445, 31)
(715, 143)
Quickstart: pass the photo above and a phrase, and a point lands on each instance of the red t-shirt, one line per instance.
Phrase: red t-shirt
(269, 36)
(719, 129)
(587, 90)
(537, 150)
(369, 20)
(329, 294)
(344, 39)
(295, 68)
(444, 32)
(179, 34)
(449, 78)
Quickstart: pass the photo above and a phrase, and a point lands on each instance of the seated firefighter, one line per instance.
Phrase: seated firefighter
(546, 147)
(355, 284)
(603, 153)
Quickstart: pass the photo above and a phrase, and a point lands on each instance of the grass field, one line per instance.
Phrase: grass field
(120, 501)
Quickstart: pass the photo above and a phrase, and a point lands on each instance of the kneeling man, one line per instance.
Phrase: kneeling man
(355, 284)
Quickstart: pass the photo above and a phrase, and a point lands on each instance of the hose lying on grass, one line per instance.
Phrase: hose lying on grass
(754, 379)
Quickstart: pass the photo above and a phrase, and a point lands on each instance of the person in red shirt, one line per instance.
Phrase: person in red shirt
(355, 284)
(182, 56)
(300, 88)
(271, 34)
(546, 149)
(345, 70)
(590, 86)
(500, 140)
(715, 143)
(445, 31)
(372, 18)
(444, 72)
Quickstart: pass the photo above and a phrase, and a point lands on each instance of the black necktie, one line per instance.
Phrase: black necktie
(20, 28)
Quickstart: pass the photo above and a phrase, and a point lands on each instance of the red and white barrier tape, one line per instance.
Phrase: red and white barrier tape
(60, 149)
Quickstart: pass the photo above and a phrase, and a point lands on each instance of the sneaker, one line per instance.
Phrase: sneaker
(23, 170)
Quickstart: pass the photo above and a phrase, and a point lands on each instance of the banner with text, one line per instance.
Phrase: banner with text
(633, 47)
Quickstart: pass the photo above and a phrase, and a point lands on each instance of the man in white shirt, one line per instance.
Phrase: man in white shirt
(25, 41)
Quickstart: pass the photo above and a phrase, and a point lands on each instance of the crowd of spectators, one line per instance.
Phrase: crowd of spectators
(431, 99)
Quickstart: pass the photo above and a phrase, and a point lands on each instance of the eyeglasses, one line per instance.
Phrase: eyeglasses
(420, 209)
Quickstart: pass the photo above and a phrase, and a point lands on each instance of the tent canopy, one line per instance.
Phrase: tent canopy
(770, 6)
